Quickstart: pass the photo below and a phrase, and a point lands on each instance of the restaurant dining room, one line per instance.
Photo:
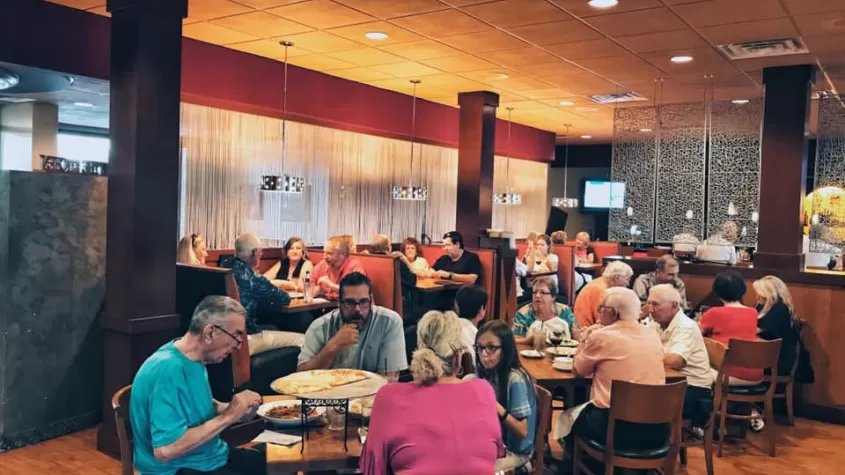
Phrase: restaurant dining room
(422, 237)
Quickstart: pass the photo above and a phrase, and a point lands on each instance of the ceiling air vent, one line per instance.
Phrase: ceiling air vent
(763, 49)
(618, 97)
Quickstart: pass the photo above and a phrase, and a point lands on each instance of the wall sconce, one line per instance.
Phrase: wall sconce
(689, 214)
(755, 216)
(284, 183)
(629, 211)
(507, 198)
(565, 202)
(410, 193)
(731, 209)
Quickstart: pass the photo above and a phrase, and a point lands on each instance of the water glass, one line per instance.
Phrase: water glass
(539, 341)
(336, 418)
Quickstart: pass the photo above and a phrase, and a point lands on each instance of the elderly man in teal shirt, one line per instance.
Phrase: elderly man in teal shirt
(176, 424)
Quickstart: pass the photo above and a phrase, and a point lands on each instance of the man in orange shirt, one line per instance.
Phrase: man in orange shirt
(335, 266)
(617, 274)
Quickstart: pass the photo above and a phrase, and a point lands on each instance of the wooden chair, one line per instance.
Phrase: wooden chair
(639, 404)
(544, 426)
(716, 354)
(120, 404)
(755, 355)
(785, 385)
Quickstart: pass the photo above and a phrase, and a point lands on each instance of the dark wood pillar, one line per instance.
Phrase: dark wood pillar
(476, 151)
(143, 191)
(783, 167)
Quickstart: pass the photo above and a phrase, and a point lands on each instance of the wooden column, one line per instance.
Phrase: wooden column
(143, 198)
(476, 151)
(783, 167)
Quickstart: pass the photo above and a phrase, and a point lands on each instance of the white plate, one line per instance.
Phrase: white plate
(531, 354)
(561, 351)
(295, 295)
(562, 364)
(364, 388)
(316, 417)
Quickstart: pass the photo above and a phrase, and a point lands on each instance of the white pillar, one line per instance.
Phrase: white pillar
(27, 131)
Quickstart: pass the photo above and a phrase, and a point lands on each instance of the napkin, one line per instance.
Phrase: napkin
(277, 438)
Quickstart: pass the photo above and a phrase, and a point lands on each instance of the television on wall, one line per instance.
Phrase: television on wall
(602, 195)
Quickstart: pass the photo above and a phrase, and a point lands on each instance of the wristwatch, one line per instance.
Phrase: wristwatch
(449, 277)
(504, 416)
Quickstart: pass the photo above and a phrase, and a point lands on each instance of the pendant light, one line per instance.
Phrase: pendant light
(508, 197)
(284, 183)
(566, 201)
(411, 192)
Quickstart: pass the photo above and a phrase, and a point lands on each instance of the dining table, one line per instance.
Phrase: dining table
(300, 305)
(437, 285)
(587, 268)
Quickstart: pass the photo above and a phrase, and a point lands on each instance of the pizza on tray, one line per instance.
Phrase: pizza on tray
(318, 380)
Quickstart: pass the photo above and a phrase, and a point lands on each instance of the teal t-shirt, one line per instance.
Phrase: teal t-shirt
(170, 395)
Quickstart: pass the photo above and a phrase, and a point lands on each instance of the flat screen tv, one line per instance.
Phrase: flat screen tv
(603, 194)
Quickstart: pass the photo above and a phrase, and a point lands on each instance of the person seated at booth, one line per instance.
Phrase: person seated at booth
(336, 265)
(457, 263)
(289, 273)
(666, 270)
(471, 307)
(720, 247)
(192, 250)
(559, 237)
(381, 245)
(584, 252)
(544, 314)
(412, 250)
(616, 274)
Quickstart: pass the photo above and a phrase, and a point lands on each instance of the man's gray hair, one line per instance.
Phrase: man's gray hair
(618, 270)
(665, 261)
(665, 293)
(624, 301)
(245, 244)
(213, 310)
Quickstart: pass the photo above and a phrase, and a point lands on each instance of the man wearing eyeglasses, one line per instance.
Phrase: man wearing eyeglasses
(358, 335)
(176, 424)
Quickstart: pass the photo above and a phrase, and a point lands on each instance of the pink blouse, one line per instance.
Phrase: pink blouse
(433, 430)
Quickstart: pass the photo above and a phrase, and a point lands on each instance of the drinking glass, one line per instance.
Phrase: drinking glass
(336, 418)
(539, 341)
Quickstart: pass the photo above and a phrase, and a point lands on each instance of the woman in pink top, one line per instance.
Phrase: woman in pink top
(438, 424)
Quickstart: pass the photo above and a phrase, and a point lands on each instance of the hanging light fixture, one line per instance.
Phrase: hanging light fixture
(410, 192)
(284, 183)
(565, 202)
(508, 197)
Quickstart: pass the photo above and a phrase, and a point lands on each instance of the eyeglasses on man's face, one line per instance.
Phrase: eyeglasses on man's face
(350, 304)
(239, 341)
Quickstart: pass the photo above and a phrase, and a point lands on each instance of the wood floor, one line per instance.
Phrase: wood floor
(809, 448)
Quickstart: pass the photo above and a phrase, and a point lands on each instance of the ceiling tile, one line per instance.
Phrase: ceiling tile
(366, 57)
(268, 49)
(514, 82)
(466, 3)
(215, 34)
(443, 23)
(407, 69)
(321, 14)
(511, 13)
(760, 63)
(394, 8)
(394, 33)
(825, 44)
(553, 93)
(485, 42)
(360, 74)
(806, 7)
(260, 24)
(320, 62)
(750, 31)
(821, 23)
(522, 83)
(662, 41)
(519, 57)
(208, 9)
(720, 12)
(323, 42)
(637, 22)
(262, 4)
(452, 83)
(547, 70)
(556, 32)
(584, 84)
(587, 49)
(705, 61)
(457, 64)
(620, 68)
(581, 9)
(425, 49)
(398, 85)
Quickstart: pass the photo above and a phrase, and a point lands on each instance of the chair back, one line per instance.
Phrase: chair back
(544, 426)
(716, 352)
(120, 404)
(646, 403)
(758, 354)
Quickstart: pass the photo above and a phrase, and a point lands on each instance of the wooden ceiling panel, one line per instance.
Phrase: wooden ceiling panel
(750, 31)
(360, 74)
(394, 8)
(366, 57)
(592, 49)
(552, 93)
(485, 42)
(582, 9)
(407, 69)
(620, 68)
(323, 42)
(425, 49)
(830, 23)
(443, 23)
(825, 44)
(215, 34)
(637, 22)
(521, 106)
(760, 63)
(511, 13)
(720, 12)
(320, 62)
(584, 84)
(269, 49)
(260, 24)
(210, 9)
(806, 7)
(262, 4)
(556, 32)
(394, 33)
(556, 69)
(452, 83)
(519, 83)
(321, 14)
(705, 61)
(519, 57)
(459, 64)
(663, 41)
(398, 85)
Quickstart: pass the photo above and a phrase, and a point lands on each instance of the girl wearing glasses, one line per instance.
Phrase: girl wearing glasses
(192, 251)
(497, 362)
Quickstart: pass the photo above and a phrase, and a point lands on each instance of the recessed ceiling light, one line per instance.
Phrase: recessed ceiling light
(566, 103)
(645, 131)
(498, 76)
(83, 104)
(740, 101)
(586, 109)
(681, 59)
(376, 35)
(603, 3)
(587, 137)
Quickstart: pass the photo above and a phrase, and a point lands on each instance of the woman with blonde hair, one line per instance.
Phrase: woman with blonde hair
(192, 251)
(777, 319)
(464, 437)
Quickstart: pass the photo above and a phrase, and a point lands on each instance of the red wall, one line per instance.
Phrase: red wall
(49, 36)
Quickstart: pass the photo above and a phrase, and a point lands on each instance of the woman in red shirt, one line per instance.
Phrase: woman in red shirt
(732, 320)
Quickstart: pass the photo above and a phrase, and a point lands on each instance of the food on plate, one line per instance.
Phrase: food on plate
(288, 412)
(569, 342)
(317, 380)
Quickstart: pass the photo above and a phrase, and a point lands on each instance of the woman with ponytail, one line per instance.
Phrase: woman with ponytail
(438, 424)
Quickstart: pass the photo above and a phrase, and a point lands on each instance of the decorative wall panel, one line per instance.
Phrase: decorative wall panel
(680, 171)
(634, 162)
(529, 179)
(734, 170)
(827, 222)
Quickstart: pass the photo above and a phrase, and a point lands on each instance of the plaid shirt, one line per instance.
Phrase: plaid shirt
(646, 281)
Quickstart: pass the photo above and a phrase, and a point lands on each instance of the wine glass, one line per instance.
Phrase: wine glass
(556, 338)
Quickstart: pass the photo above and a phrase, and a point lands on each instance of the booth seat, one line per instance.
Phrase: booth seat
(488, 271)
(603, 249)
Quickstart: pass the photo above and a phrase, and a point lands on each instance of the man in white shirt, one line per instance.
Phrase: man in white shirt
(720, 248)
(684, 350)
(471, 306)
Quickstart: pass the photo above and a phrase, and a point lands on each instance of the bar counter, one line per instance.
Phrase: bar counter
(819, 299)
